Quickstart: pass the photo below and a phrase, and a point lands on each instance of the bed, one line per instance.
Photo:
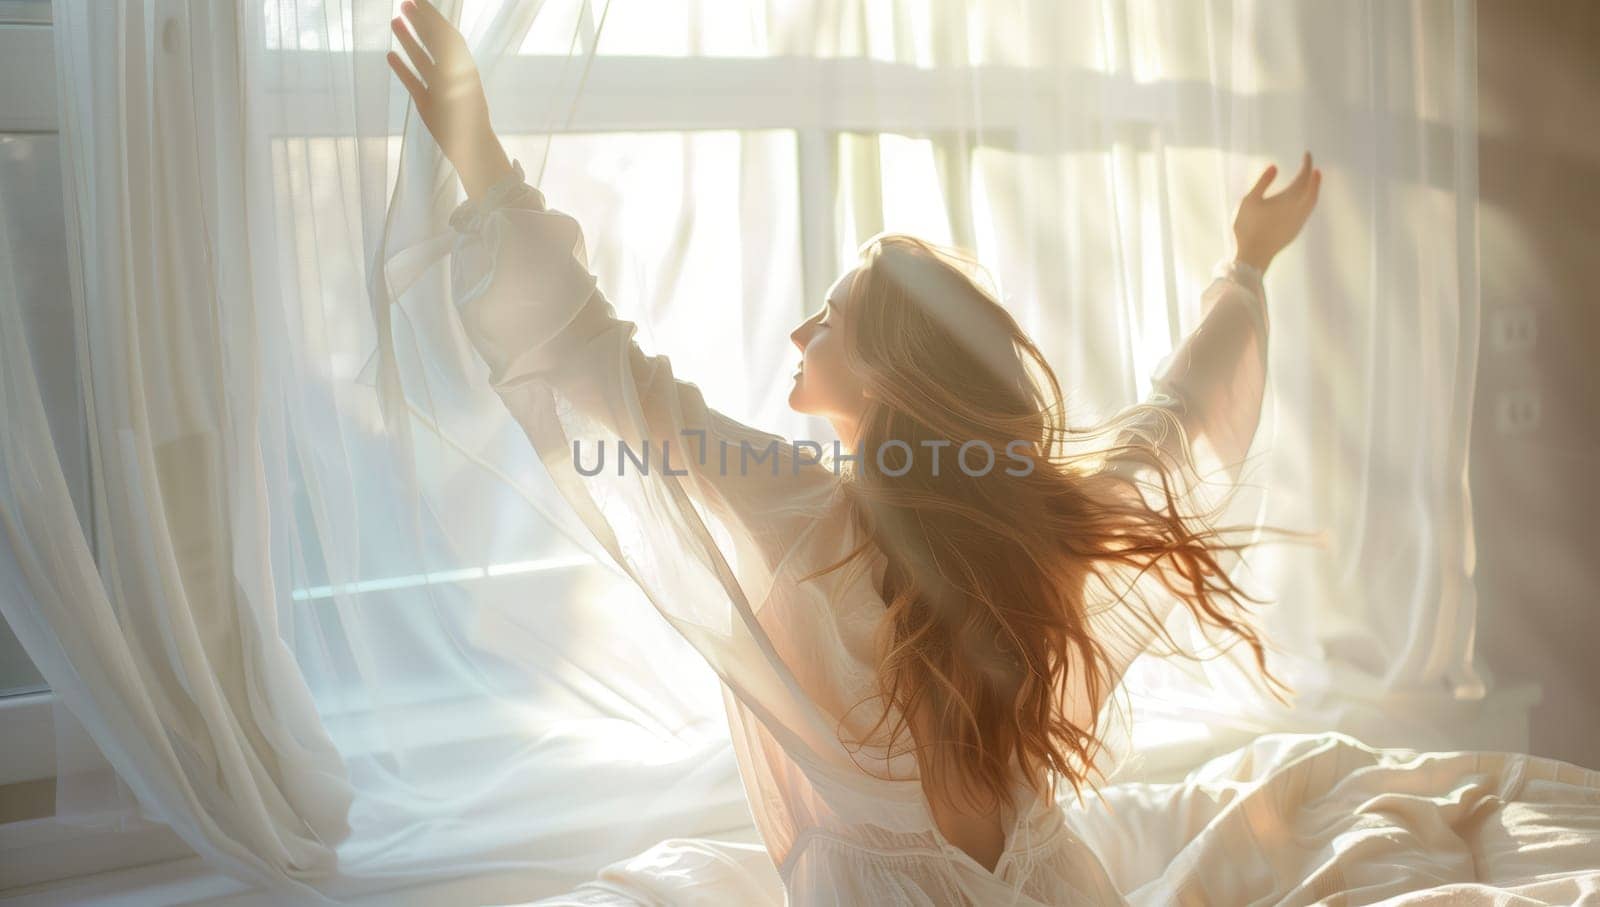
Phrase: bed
(1287, 819)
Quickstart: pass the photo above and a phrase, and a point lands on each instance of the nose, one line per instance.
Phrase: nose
(800, 335)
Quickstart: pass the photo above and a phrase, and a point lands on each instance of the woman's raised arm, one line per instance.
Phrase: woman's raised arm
(1216, 378)
(703, 537)
(1213, 384)
(445, 86)
(572, 373)
(566, 367)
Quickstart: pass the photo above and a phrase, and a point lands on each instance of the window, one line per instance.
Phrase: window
(768, 145)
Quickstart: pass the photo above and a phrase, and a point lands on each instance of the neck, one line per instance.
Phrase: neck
(847, 430)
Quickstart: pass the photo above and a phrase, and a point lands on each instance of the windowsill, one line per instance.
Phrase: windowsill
(30, 747)
(25, 801)
(46, 852)
(35, 847)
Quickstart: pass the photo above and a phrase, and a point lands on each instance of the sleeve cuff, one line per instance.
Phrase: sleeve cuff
(1247, 276)
(1241, 271)
(512, 188)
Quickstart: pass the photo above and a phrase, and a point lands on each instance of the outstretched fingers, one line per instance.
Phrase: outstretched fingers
(431, 25)
(1302, 180)
(420, 60)
(414, 86)
(1265, 180)
(1307, 185)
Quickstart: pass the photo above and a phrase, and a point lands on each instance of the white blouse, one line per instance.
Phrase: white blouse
(720, 552)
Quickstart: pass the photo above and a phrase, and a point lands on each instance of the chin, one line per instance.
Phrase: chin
(796, 398)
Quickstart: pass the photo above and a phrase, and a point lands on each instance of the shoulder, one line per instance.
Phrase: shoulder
(767, 472)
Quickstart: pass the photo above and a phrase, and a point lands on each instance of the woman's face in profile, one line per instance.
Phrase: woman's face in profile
(824, 384)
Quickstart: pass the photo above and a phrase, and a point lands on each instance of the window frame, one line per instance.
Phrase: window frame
(692, 94)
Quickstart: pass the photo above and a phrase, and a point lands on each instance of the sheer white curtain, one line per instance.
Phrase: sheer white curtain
(333, 579)
(169, 650)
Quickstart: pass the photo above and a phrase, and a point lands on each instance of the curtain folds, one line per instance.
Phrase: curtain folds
(336, 625)
(166, 644)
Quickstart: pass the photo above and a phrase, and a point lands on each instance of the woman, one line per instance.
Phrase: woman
(909, 632)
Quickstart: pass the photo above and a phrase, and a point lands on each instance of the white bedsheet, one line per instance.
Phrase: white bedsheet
(1287, 819)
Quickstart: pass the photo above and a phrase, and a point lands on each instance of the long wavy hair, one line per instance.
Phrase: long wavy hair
(986, 579)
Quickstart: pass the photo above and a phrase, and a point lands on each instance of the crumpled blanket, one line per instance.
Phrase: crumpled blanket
(1288, 819)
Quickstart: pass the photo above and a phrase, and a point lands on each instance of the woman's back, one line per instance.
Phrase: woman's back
(981, 833)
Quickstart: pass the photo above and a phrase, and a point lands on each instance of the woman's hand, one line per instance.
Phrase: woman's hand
(1263, 226)
(449, 95)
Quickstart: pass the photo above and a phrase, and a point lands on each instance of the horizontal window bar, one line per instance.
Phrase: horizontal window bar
(630, 94)
(465, 574)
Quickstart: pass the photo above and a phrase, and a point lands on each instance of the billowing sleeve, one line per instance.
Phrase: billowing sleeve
(1216, 378)
(535, 314)
(702, 509)
(1212, 387)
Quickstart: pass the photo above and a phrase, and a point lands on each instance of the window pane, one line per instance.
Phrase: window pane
(695, 235)
(889, 183)
(499, 600)
(655, 28)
